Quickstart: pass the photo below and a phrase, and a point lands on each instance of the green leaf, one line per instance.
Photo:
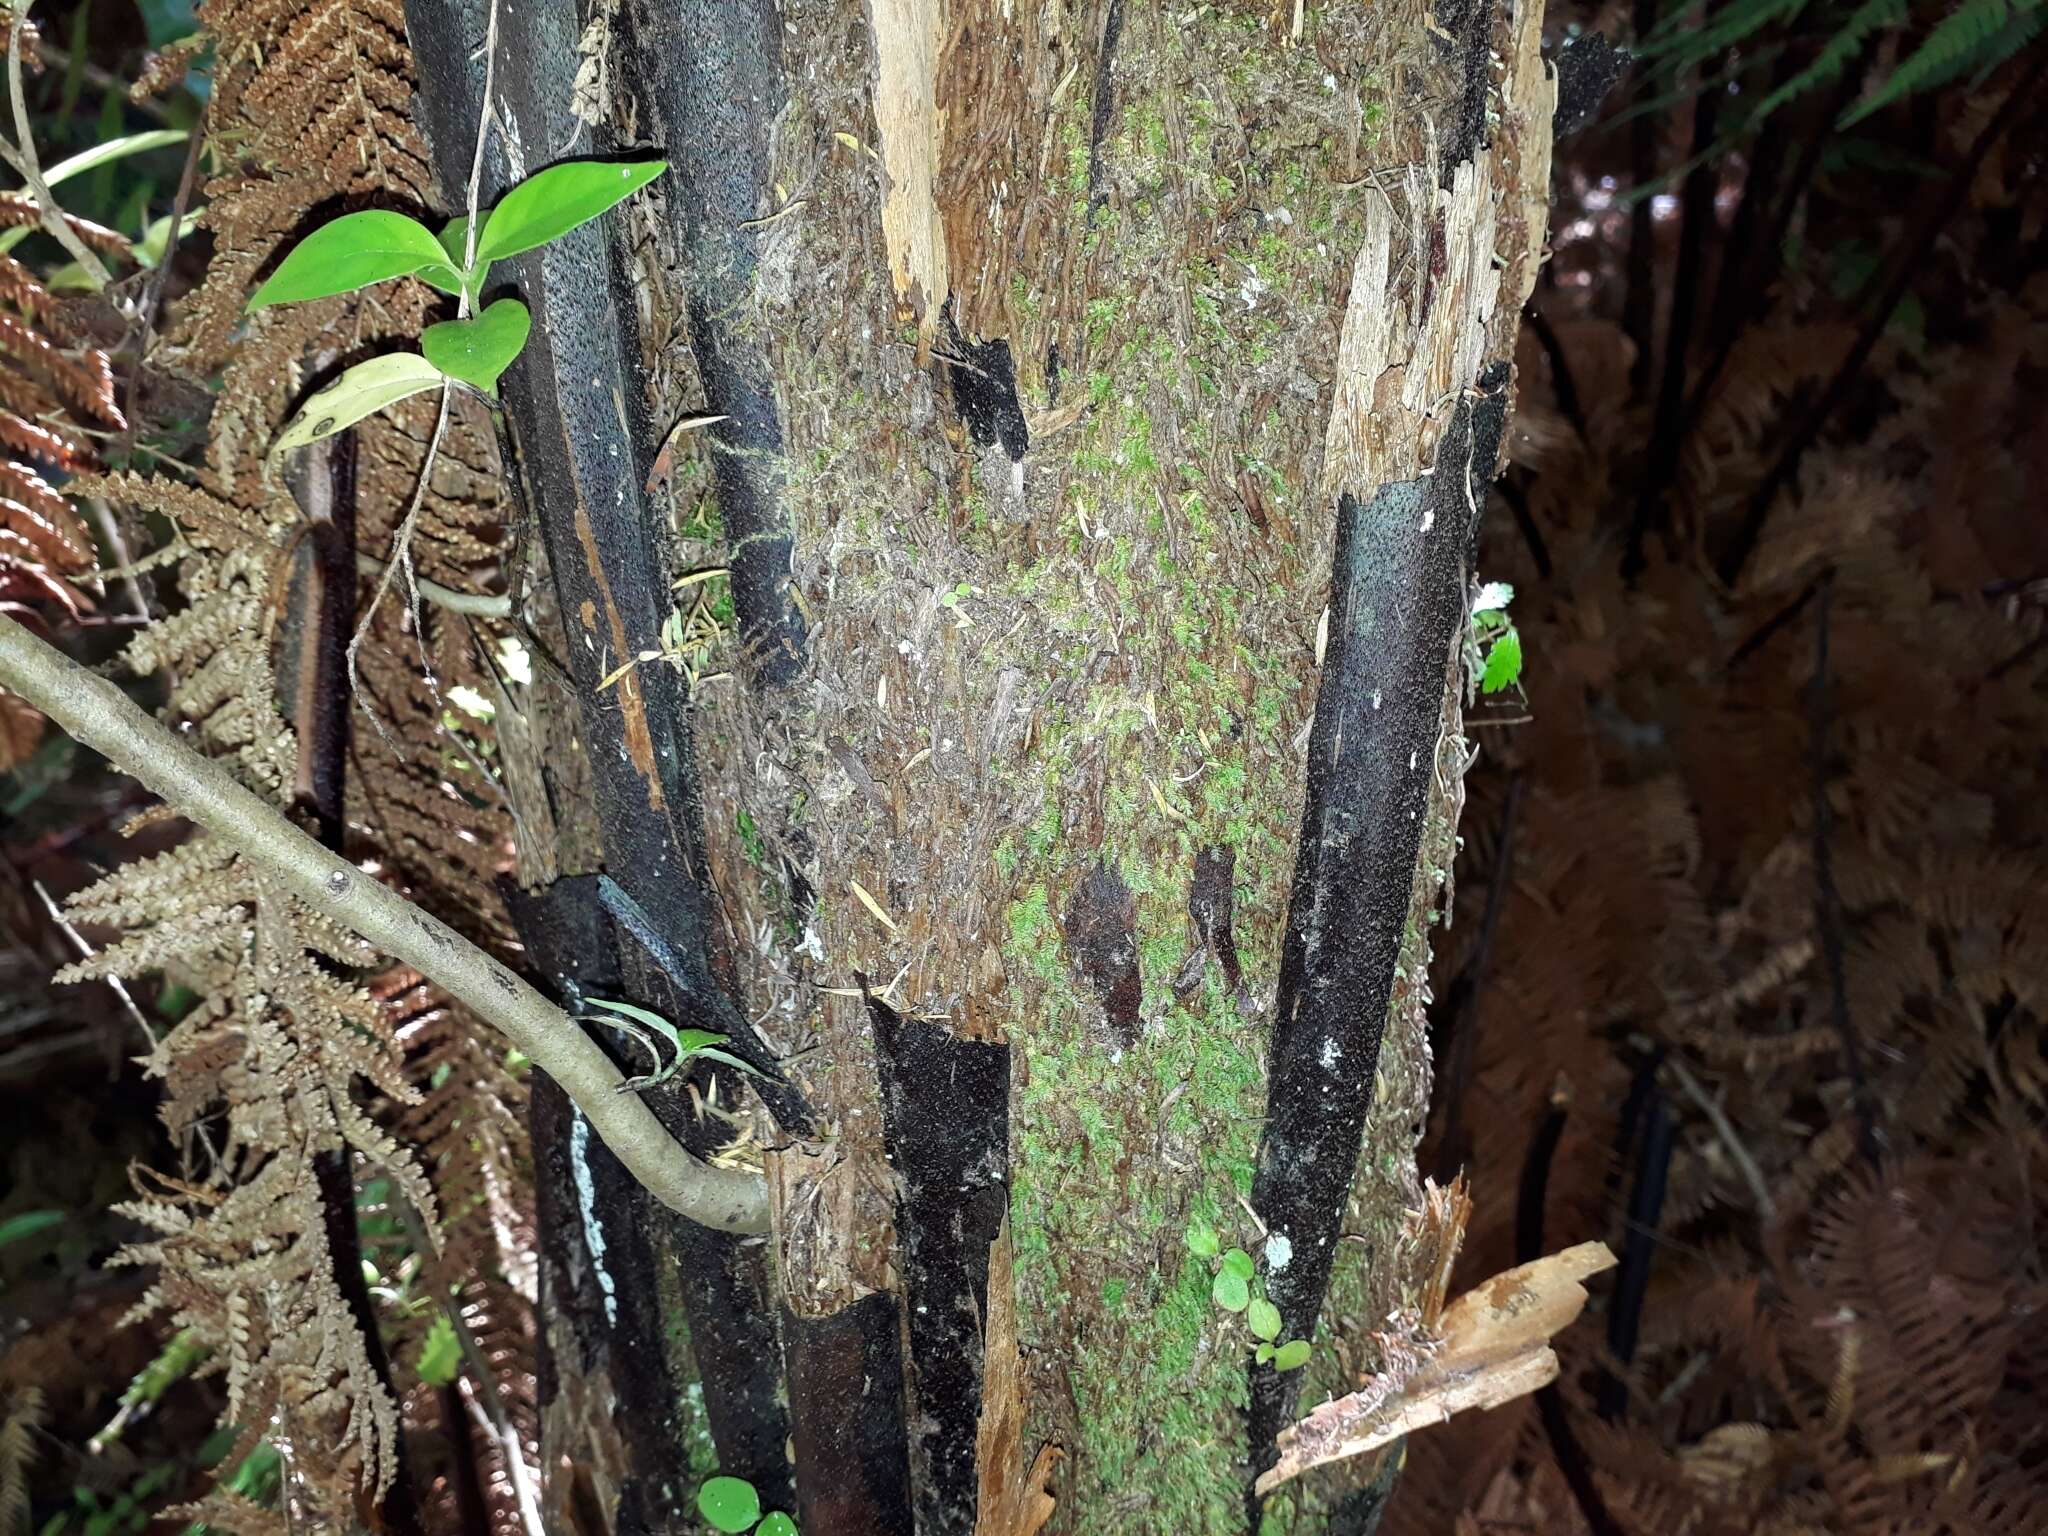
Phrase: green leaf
(91, 160)
(111, 150)
(729, 1503)
(1201, 1239)
(453, 238)
(1291, 1356)
(1230, 1292)
(447, 276)
(647, 1016)
(350, 252)
(1263, 1353)
(443, 277)
(554, 201)
(775, 1524)
(728, 1059)
(688, 1040)
(1503, 662)
(1239, 1263)
(480, 348)
(440, 1359)
(361, 391)
(1263, 1318)
(27, 1224)
(156, 239)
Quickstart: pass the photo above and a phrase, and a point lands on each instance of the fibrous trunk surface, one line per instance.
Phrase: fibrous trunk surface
(1065, 352)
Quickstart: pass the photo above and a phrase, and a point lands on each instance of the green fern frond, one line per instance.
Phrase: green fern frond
(1680, 42)
(1842, 50)
(1980, 34)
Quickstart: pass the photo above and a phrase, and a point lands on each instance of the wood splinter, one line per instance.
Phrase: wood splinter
(1493, 1346)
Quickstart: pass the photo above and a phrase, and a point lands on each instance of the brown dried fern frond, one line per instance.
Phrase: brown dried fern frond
(289, 1056)
(18, 1428)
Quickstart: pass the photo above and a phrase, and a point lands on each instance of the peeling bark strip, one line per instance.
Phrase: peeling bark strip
(946, 1124)
(709, 71)
(569, 950)
(568, 945)
(1397, 608)
(1447, 262)
(577, 401)
(908, 35)
(846, 1407)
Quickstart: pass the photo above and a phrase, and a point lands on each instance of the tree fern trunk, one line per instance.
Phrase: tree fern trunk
(1111, 397)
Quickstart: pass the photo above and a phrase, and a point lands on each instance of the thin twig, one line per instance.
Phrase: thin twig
(1718, 1118)
(481, 605)
(101, 79)
(489, 1400)
(22, 156)
(402, 543)
(1826, 900)
(476, 159)
(86, 952)
(110, 525)
(99, 715)
(153, 291)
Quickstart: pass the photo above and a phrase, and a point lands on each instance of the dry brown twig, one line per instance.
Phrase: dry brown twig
(21, 155)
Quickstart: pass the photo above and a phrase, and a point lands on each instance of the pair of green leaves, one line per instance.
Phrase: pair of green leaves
(731, 1504)
(376, 245)
(1232, 1290)
(644, 1026)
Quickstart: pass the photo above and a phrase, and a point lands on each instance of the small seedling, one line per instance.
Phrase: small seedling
(1235, 1289)
(1493, 644)
(642, 1025)
(375, 245)
(730, 1504)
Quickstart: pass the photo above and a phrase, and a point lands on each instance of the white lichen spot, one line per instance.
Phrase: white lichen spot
(1375, 698)
(586, 1205)
(1331, 1054)
(1279, 1251)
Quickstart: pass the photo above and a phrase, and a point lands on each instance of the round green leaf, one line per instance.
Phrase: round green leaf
(552, 202)
(1230, 1291)
(1201, 1239)
(366, 388)
(1263, 1318)
(775, 1524)
(729, 1503)
(348, 253)
(1291, 1356)
(1263, 1353)
(1238, 1262)
(480, 348)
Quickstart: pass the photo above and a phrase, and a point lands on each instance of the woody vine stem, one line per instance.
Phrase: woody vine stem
(101, 716)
